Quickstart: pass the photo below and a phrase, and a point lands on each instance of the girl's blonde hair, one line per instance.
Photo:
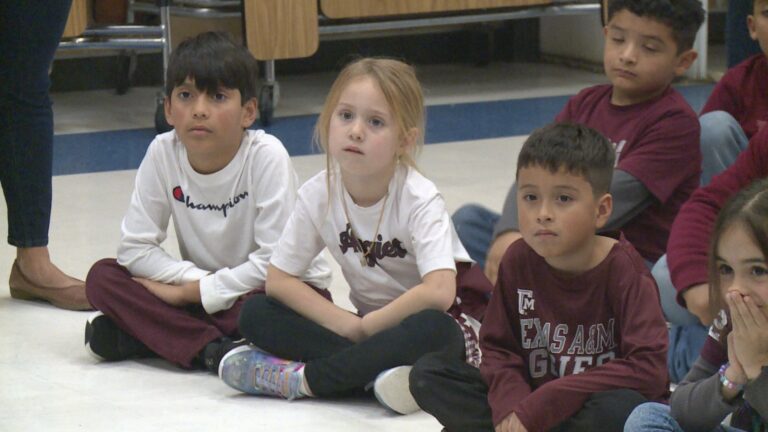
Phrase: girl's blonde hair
(402, 91)
(749, 208)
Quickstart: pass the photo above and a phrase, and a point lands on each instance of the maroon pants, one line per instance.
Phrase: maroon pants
(176, 334)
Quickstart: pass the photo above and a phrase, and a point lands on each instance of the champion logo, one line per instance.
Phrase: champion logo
(178, 195)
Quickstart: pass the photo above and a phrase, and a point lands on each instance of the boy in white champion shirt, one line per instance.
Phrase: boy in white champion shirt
(229, 191)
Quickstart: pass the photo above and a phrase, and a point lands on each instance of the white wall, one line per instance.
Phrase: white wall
(581, 37)
(577, 36)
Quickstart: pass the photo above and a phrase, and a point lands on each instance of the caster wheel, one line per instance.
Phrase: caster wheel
(126, 70)
(161, 125)
(266, 105)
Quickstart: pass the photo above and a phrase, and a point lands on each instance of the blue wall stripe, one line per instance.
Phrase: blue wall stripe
(120, 150)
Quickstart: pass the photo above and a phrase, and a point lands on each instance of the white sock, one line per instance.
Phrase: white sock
(304, 387)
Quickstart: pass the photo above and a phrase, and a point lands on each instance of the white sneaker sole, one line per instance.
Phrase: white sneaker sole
(230, 354)
(88, 329)
(392, 390)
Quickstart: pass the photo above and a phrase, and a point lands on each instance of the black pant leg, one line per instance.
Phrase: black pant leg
(603, 412)
(452, 391)
(277, 329)
(354, 367)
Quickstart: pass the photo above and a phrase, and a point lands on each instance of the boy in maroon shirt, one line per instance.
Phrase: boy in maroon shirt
(573, 337)
(738, 106)
(655, 132)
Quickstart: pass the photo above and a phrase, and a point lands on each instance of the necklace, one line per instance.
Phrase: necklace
(355, 238)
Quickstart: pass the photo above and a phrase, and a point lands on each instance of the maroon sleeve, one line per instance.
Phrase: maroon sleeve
(666, 154)
(642, 366)
(690, 236)
(502, 367)
(566, 114)
(725, 96)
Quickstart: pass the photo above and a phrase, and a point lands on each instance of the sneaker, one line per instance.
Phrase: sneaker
(393, 391)
(106, 341)
(216, 350)
(256, 372)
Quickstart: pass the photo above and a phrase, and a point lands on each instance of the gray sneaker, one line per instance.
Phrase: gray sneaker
(250, 370)
(393, 391)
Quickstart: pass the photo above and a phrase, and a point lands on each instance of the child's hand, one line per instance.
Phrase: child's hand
(511, 424)
(352, 329)
(735, 372)
(174, 295)
(749, 338)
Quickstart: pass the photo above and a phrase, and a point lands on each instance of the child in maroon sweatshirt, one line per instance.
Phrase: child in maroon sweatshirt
(738, 106)
(574, 337)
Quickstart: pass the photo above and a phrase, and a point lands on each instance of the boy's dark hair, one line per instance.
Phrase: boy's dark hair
(213, 60)
(683, 17)
(579, 149)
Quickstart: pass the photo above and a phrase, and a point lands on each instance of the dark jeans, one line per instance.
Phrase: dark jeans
(336, 366)
(29, 34)
(474, 225)
(455, 394)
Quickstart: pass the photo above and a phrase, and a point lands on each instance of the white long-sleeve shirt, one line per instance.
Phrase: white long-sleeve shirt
(227, 223)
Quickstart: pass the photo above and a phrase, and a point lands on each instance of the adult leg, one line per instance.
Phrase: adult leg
(474, 225)
(722, 139)
(29, 35)
(651, 416)
(603, 412)
(452, 391)
(175, 334)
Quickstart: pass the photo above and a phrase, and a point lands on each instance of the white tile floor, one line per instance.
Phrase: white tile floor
(48, 382)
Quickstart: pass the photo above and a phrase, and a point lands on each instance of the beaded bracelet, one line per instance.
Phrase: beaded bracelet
(726, 382)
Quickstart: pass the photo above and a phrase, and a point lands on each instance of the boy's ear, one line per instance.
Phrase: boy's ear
(685, 60)
(752, 27)
(250, 113)
(167, 109)
(603, 210)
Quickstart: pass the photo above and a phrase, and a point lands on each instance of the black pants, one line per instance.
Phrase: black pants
(335, 365)
(455, 393)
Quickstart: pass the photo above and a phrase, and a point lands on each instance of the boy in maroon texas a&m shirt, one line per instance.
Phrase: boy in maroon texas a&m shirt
(574, 337)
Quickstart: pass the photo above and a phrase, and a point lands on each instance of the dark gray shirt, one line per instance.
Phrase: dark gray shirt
(698, 404)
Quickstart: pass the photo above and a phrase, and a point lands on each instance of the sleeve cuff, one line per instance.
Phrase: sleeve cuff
(211, 301)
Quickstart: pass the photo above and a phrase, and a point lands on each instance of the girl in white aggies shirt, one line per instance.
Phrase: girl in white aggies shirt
(387, 227)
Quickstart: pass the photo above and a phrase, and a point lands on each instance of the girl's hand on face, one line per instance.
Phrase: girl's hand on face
(735, 372)
(750, 334)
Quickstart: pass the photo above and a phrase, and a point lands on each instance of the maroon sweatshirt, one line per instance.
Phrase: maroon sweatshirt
(743, 93)
(690, 235)
(550, 341)
(657, 142)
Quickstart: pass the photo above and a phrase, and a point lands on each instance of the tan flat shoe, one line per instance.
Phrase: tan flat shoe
(71, 297)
